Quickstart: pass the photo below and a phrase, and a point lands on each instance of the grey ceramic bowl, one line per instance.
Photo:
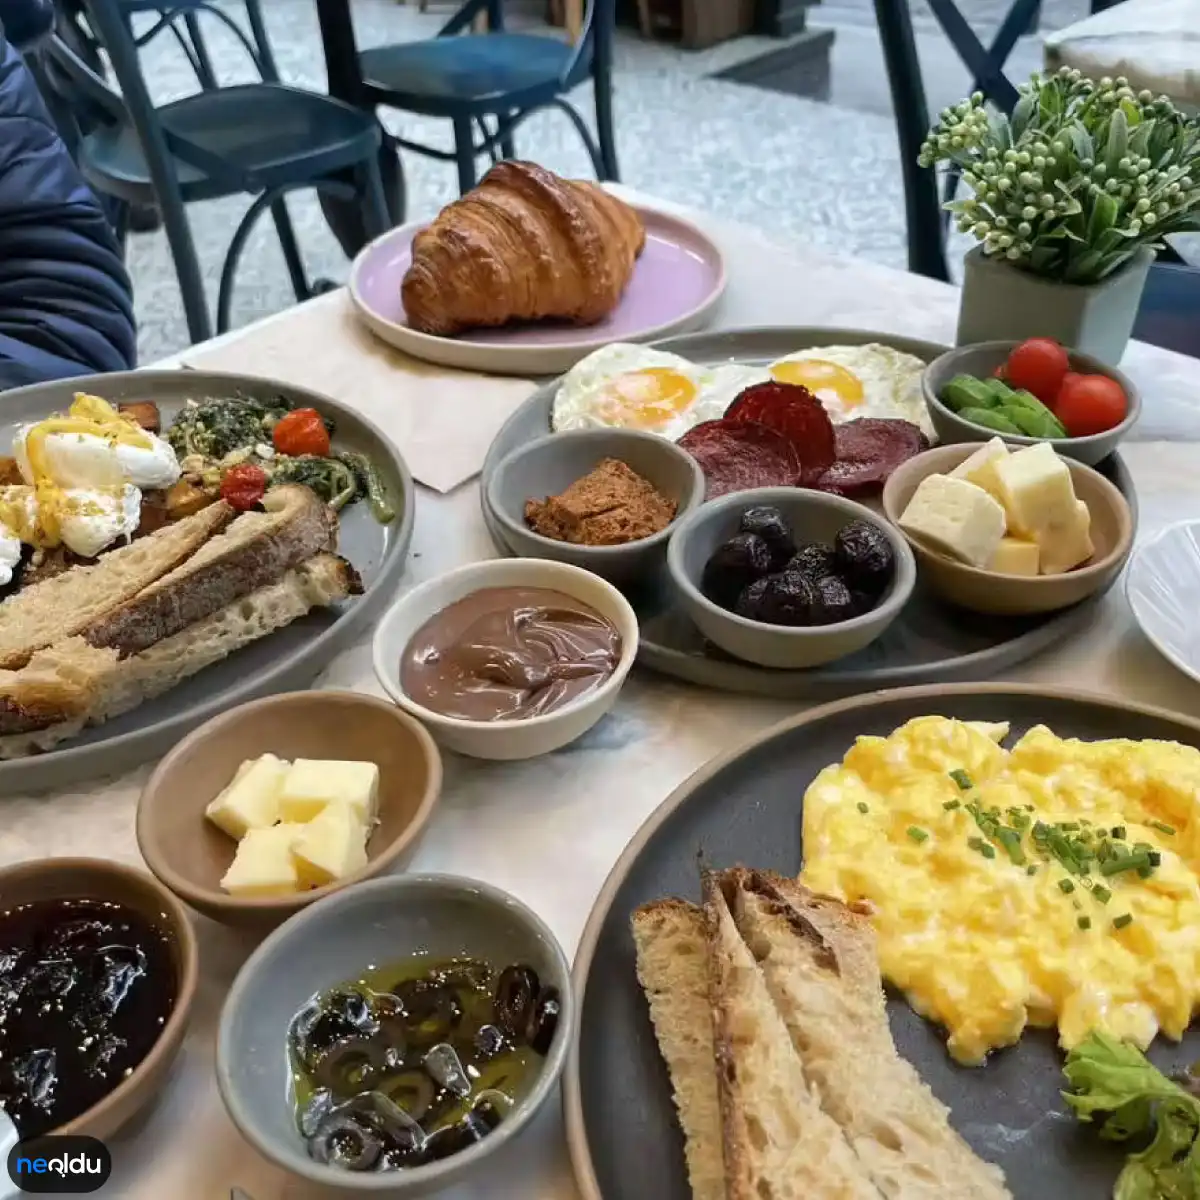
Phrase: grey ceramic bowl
(378, 922)
(814, 517)
(551, 464)
(981, 360)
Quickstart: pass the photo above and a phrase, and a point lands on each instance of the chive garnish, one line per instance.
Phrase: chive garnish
(1102, 893)
(962, 779)
(1031, 869)
(1084, 922)
(1162, 827)
(1155, 858)
(918, 835)
(988, 851)
(862, 806)
(1125, 862)
(1068, 826)
(1123, 920)
(951, 805)
(1066, 886)
(1118, 831)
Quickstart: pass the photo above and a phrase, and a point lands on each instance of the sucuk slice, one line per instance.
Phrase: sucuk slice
(735, 456)
(795, 412)
(868, 451)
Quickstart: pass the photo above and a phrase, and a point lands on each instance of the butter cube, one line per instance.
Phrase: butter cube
(1036, 490)
(313, 783)
(1015, 557)
(956, 518)
(251, 799)
(980, 468)
(331, 846)
(263, 864)
(1065, 546)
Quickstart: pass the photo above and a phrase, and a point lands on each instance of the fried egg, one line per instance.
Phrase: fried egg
(859, 381)
(625, 386)
(1056, 883)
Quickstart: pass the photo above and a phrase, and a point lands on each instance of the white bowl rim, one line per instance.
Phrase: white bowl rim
(396, 1181)
(389, 677)
(1133, 399)
(1135, 606)
(693, 501)
(854, 511)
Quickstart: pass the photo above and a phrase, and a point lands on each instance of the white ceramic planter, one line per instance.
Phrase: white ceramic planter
(1001, 302)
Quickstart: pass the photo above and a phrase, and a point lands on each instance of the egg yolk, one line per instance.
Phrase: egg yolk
(820, 376)
(646, 399)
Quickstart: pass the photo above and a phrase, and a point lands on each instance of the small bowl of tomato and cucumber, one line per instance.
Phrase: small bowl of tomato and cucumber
(1029, 392)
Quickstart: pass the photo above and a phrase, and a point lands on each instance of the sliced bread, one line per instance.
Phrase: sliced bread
(57, 608)
(254, 549)
(672, 966)
(112, 685)
(819, 963)
(778, 1143)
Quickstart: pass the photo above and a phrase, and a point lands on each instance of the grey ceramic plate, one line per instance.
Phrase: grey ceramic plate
(289, 658)
(744, 808)
(930, 642)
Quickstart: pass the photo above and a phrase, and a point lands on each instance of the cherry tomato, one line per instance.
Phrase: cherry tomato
(1037, 366)
(1088, 404)
(302, 432)
(242, 487)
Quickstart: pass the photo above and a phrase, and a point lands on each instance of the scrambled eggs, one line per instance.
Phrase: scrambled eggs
(1052, 883)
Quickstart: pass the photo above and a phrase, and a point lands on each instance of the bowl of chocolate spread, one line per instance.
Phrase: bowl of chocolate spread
(508, 658)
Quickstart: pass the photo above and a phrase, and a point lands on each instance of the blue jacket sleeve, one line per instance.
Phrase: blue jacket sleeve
(65, 298)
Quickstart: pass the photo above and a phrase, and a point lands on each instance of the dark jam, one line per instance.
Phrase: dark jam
(415, 1062)
(85, 989)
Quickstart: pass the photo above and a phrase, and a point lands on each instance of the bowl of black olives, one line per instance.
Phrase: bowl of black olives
(390, 1038)
(789, 577)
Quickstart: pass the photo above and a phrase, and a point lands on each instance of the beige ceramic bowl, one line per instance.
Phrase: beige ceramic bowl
(99, 879)
(1017, 595)
(189, 854)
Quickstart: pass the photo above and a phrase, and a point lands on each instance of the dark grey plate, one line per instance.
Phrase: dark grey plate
(930, 642)
(744, 808)
(291, 657)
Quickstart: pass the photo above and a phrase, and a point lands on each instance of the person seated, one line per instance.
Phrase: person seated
(66, 302)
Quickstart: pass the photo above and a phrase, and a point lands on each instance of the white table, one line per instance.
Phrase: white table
(549, 830)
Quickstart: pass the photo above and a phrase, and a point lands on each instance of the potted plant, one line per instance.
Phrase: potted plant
(1072, 197)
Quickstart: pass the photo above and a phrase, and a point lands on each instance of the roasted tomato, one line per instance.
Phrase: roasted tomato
(242, 487)
(302, 432)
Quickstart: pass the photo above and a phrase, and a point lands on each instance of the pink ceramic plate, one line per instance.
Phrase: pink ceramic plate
(676, 284)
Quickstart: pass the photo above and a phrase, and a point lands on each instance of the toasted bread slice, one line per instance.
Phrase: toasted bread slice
(59, 607)
(255, 549)
(778, 1143)
(672, 966)
(818, 960)
(103, 685)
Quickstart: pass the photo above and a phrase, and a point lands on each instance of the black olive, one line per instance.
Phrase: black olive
(464, 1134)
(342, 1142)
(432, 1010)
(787, 599)
(488, 1112)
(865, 557)
(379, 1112)
(544, 1021)
(324, 1022)
(771, 525)
(446, 1069)
(834, 602)
(314, 1112)
(489, 1041)
(475, 976)
(516, 996)
(350, 1066)
(412, 1090)
(750, 600)
(816, 560)
(733, 566)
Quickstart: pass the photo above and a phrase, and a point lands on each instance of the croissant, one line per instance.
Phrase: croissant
(524, 245)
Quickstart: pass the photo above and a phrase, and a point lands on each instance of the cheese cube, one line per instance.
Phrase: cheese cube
(1065, 546)
(1015, 557)
(263, 864)
(955, 517)
(312, 783)
(980, 468)
(331, 846)
(251, 799)
(1036, 490)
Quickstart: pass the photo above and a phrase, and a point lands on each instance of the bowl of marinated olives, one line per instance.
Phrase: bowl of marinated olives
(788, 577)
(391, 1037)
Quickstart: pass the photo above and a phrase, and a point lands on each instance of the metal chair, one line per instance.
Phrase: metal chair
(477, 79)
(262, 139)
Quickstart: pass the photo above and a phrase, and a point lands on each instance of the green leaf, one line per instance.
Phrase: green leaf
(1022, 113)
(1118, 140)
(999, 134)
(1081, 141)
(1082, 268)
(1104, 215)
(1106, 1074)
(1139, 139)
(1133, 114)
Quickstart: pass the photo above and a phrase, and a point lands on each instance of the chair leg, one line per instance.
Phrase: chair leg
(508, 145)
(187, 271)
(604, 127)
(266, 56)
(203, 64)
(464, 154)
(376, 218)
(291, 251)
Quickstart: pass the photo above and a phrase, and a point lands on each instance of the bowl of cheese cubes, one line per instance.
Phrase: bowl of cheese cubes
(1010, 530)
(277, 803)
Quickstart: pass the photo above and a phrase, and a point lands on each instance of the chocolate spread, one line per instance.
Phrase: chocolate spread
(507, 653)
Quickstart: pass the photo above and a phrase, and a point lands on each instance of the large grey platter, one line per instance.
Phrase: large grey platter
(745, 808)
(290, 658)
(931, 642)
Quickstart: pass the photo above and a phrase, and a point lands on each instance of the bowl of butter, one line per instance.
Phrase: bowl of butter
(282, 801)
(1010, 530)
